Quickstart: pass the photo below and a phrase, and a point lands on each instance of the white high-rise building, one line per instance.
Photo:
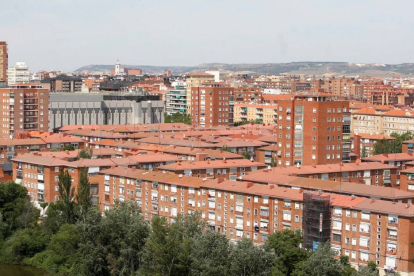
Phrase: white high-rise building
(18, 73)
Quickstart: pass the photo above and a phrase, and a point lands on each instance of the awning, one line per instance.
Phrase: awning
(387, 181)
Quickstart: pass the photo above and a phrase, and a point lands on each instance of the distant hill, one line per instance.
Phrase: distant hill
(307, 68)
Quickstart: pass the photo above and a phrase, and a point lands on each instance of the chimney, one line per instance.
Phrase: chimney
(357, 145)
(249, 184)
(224, 160)
(385, 154)
(272, 186)
(410, 153)
(352, 197)
(319, 192)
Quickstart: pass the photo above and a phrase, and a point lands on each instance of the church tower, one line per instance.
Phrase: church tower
(117, 68)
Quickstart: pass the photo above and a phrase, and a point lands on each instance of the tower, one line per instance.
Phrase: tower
(117, 68)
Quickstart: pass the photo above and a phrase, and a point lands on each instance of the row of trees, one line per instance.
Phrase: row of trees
(177, 118)
(245, 122)
(75, 239)
(391, 146)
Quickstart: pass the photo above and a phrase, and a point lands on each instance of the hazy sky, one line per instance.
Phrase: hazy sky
(67, 34)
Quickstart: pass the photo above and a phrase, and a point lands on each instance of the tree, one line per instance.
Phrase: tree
(285, 245)
(240, 123)
(85, 153)
(321, 262)
(392, 146)
(67, 196)
(61, 255)
(210, 254)
(178, 118)
(273, 162)
(225, 148)
(68, 147)
(83, 196)
(246, 155)
(123, 233)
(16, 211)
(364, 152)
(248, 259)
(258, 121)
(23, 244)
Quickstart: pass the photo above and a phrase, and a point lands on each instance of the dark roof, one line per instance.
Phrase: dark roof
(61, 77)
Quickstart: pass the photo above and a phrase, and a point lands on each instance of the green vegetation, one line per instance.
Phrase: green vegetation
(68, 147)
(240, 123)
(392, 146)
(225, 148)
(85, 153)
(246, 155)
(76, 239)
(177, 118)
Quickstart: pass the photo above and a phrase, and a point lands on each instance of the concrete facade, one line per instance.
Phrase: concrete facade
(93, 109)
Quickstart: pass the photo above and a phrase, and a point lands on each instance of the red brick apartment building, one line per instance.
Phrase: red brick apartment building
(361, 228)
(38, 172)
(368, 173)
(23, 107)
(10, 148)
(271, 177)
(4, 63)
(248, 94)
(220, 169)
(313, 129)
(210, 105)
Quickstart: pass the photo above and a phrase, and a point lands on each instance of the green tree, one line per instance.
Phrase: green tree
(258, 121)
(123, 233)
(248, 259)
(225, 148)
(240, 123)
(364, 152)
(23, 244)
(68, 147)
(178, 118)
(321, 262)
(85, 153)
(67, 196)
(285, 245)
(211, 252)
(246, 155)
(16, 211)
(83, 195)
(392, 146)
(348, 270)
(273, 163)
(62, 253)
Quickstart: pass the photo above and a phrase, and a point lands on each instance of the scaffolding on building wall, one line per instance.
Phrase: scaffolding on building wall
(316, 220)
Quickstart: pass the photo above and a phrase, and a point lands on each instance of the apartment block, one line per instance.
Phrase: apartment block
(248, 94)
(4, 62)
(176, 101)
(210, 105)
(361, 228)
(195, 80)
(63, 83)
(18, 74)
(265, 113)
(23, 107)
(312, 129)
(367, 173)
(220, 169)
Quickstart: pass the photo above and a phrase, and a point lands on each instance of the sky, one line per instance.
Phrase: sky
(67, 34)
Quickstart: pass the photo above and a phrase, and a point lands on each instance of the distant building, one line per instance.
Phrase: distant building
(104, 109)
(216, 75)
(265, 113)
(18, 73)
(121, 71)
(3, 61)
(194, 80)
(167, 73)
(63, 83)
(211, 105)
(25, 109)
(176, 101)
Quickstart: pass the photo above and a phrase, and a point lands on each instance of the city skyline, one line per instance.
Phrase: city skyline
(183, 34)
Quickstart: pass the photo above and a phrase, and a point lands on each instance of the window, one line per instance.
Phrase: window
(337, 237)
